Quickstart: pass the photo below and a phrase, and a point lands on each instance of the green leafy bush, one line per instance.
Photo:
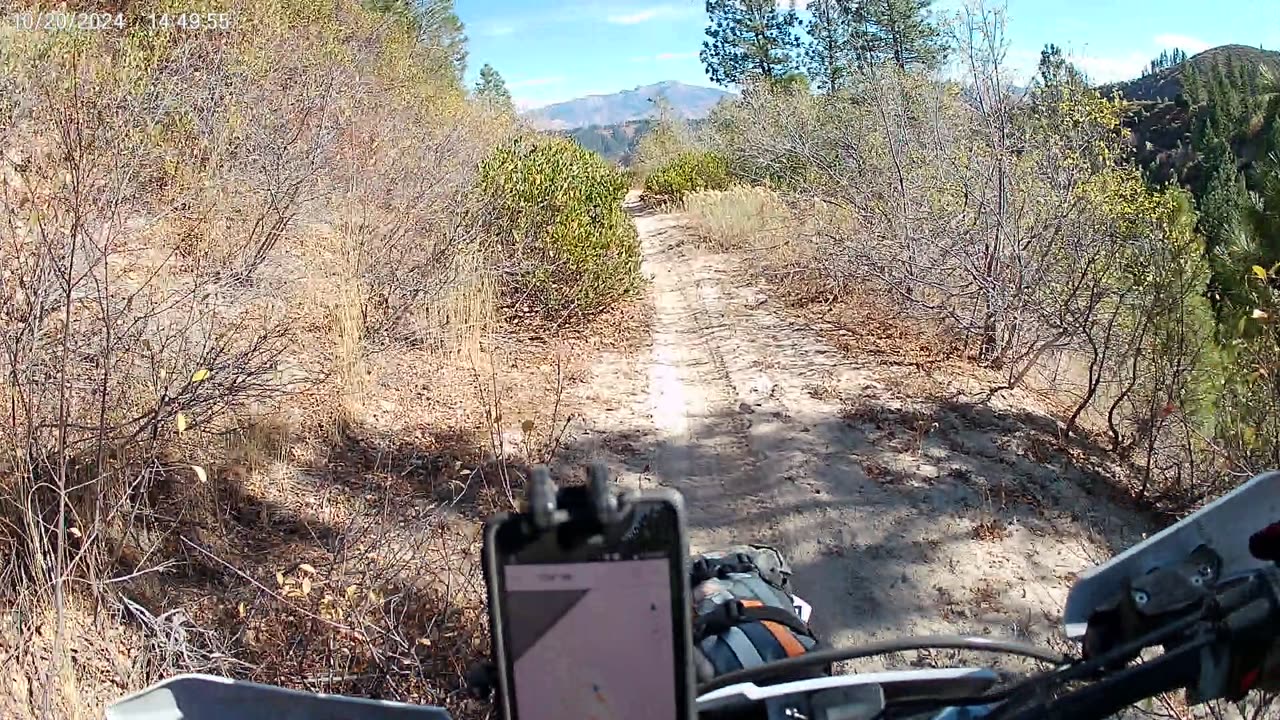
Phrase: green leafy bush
(688, 172)
(571, 249)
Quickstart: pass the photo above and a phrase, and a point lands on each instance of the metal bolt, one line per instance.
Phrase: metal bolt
(1205, 571)
(1140, 597)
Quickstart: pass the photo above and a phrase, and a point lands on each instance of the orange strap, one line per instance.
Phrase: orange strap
(784, 637)
(789, 643)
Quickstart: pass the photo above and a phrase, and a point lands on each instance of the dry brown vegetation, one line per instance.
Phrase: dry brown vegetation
(1013, 225)
(259, 392)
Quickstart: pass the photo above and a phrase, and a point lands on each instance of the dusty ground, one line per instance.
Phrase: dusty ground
(909, 497)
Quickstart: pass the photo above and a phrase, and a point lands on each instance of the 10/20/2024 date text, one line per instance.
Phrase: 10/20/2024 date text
(104, 21)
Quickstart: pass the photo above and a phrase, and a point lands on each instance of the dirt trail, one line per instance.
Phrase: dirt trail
(899, 515)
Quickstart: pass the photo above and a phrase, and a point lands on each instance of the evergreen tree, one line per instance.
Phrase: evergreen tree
(1224, 101)
(749, 41)
(830, 56)
(1192, 85)
(492, 90)
(440, 28)
(437, 26)
(1166, 60)
(1056, 72)
(1273, 138)
(902, 31)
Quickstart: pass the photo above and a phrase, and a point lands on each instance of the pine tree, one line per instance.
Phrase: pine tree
(440, 28)
(1223, 101)
(901, 31)
(749, 41)
(830, 56)
(491, 90)
(1192, 85)
(1055, 72)
(1273, 139)
(437, 26)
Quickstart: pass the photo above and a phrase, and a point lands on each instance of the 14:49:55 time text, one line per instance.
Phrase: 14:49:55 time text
(191, 21)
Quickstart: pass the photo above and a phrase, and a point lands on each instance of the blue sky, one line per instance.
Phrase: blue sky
(554, 50)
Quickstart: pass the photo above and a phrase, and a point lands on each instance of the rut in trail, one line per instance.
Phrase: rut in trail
(900, 515)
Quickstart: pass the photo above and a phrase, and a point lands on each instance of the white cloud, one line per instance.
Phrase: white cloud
(799, 4)
(1116, 68)
(1183, 42)
(535, 82)
(651, 13)
(498, 30)
(661, 57)
(1112, 69)
(637, 17)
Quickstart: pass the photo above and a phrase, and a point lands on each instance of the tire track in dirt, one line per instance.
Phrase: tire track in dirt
(900, 515)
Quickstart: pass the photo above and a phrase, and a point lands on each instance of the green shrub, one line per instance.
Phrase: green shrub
(571, 249)
(688, 172)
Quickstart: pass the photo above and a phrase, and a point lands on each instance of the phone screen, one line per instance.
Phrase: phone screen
(591, 640)
(595, 633)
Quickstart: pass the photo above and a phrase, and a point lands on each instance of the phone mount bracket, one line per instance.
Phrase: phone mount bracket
(549, 507)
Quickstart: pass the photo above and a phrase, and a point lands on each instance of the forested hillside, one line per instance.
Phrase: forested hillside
(617, 143)
(1211, 123)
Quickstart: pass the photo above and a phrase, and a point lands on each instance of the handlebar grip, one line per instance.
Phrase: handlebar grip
(1265, 544)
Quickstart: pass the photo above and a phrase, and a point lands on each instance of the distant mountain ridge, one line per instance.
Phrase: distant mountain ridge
(690, 102)
(1167, 83)
(616, 143)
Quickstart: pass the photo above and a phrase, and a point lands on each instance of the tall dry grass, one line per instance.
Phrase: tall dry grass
(743, 218)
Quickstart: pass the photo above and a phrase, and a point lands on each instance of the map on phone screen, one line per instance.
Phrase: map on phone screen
(591, 640)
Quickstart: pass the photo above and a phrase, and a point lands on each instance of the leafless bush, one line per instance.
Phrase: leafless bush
(1014, 221)
(118, 347)
(109, 343)
(175, 643)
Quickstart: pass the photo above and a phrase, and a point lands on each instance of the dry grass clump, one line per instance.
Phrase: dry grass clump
(741, 218)
(784, 244)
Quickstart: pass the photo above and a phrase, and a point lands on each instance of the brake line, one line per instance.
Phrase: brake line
(833, 655)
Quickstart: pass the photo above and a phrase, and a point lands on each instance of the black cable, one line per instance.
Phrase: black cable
(833, 655)
(1102, 699)
(1082, 670)
(1027, 707)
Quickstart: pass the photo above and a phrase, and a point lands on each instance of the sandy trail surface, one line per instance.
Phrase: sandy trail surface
(900, 515)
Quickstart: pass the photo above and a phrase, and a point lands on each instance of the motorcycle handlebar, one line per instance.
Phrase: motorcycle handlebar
(1220, 651)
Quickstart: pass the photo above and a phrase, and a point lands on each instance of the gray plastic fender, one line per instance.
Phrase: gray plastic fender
(1224, 525)
(208, 697)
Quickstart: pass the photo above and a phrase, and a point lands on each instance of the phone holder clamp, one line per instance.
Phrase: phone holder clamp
(549, 507)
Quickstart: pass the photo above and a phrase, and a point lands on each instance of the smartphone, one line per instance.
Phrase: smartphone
(593, 621)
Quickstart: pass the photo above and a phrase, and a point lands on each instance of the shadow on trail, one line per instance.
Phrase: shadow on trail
(865, 530)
